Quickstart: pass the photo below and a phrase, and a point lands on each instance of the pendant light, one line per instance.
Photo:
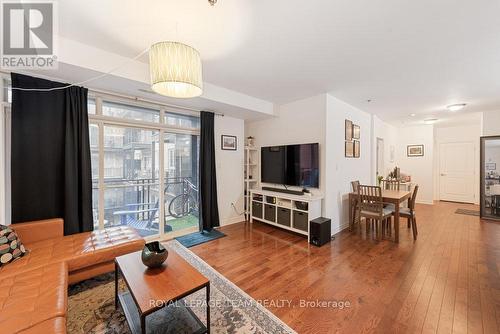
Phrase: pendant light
(175, 70)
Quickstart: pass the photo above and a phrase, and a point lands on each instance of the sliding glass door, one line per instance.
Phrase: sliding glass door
(181, 182)
(144, 168)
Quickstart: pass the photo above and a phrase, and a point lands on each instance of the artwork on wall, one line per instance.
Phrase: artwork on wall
(490, 166)
(355, 131)
(349, 149)
(356, 149)
(415, 150)
(229, 143)
(348, 130)
(352, 136)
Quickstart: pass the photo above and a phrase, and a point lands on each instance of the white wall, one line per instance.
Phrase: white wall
(297, 122)
(491, 123)
(229, 168)
(321, 119)
(340, 171)
(455, 134)
(421, 169)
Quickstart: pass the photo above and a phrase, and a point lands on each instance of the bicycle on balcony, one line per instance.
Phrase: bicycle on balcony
(186, 203)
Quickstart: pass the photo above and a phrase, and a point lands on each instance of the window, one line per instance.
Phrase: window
(130, 112)
(127, 170)
(7, 91)
(91, 106)
(183, 121)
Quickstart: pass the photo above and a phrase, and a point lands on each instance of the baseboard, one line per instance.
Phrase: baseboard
(232, 220)
(425, 202)
(340, 228)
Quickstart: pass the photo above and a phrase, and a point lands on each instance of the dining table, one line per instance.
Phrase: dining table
(396, 197)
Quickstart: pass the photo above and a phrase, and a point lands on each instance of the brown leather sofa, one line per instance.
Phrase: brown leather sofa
(33, 289)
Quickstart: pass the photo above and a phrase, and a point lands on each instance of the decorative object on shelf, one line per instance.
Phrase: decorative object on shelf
(229, 143)
(250, 141)
(175, 70)
(154, 254)
(415, 150)
(356, 149)
(349, 149)
(394, 174)
(356, 132)
(348, 130)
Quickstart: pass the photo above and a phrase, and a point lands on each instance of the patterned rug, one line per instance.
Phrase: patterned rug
(91, 306)
(467, 212)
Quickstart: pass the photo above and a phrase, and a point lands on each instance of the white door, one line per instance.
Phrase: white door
(456, 172)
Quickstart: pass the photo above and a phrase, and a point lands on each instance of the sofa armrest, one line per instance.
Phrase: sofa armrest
(39, 230)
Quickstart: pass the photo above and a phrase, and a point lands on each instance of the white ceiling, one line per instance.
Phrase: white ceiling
(405, 56)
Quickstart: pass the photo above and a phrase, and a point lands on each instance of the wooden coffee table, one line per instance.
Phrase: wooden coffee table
(153, 289)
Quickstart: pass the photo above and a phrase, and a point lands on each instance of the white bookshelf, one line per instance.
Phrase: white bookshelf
(250, 168)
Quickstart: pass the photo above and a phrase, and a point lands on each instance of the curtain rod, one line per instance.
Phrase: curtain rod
(135, 98)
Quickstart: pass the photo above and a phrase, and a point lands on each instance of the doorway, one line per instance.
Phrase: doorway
(380, 157)
(456, 172)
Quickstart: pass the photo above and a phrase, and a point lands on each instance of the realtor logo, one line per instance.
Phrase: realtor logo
(28, 30)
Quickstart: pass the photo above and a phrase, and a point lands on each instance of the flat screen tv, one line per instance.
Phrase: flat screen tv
(292, 165)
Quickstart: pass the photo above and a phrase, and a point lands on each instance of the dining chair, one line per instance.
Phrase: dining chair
(409, 212)
(371, 207)
(391, 184)
(354, 205)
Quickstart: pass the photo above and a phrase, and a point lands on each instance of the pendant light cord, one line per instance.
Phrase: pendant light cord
(84, 81)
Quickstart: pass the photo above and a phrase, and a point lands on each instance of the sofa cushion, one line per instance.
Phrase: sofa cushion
(53, 326)
(11, 247)
(32, 297)
(102, 246)
(78, 250)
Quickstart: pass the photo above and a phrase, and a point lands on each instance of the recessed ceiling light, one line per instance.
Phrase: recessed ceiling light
(413, 115)
(430, 120)
(456, 107)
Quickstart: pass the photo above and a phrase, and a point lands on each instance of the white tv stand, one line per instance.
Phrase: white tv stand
(284, 210)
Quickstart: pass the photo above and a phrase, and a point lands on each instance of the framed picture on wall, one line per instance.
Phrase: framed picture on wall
(349, 149)
(415, 150)
(490, 166)
(348, 130)
(229, 143)
(356, 149)
(356, 131)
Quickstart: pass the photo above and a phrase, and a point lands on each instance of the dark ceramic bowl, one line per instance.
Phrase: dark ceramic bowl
(154, 254)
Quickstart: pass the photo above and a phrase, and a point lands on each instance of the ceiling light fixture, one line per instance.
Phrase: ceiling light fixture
(413, 115)
(430, 120)
(456, 107)
(212, 2)
(175, 70)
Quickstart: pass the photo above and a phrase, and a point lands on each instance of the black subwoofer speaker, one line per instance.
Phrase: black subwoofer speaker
(320, 230)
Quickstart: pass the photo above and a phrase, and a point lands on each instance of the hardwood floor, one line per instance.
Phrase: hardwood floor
(447, 281)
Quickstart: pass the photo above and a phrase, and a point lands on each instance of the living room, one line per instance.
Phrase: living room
(249, 167)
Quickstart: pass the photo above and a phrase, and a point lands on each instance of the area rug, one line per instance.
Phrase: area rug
(91, 306)
(197, 238)
(467, 212)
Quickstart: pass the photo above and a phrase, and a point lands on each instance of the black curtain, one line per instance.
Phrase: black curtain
(50, 154)
(209, 210)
